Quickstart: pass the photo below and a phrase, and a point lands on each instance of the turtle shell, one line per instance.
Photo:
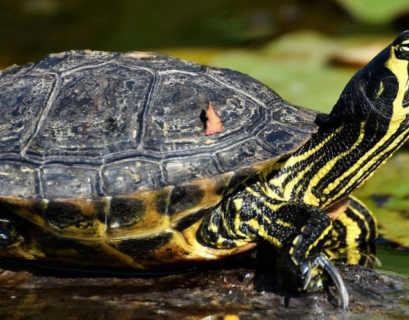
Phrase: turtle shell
(114, 147)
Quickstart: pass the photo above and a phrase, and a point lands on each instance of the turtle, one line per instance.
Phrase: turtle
(145, 161)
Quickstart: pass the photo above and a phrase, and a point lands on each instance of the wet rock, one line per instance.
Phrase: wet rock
(218, 293)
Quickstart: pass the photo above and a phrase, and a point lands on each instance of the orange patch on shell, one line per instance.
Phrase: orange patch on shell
(213, 123)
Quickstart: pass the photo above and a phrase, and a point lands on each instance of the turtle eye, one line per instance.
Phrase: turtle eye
(404, 46)
(402, 51)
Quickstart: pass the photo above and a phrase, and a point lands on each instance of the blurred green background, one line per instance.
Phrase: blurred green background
(300, 48)
(305, 50)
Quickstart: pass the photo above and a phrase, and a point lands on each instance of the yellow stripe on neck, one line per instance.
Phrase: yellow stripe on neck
(400, 69)
(309, 197)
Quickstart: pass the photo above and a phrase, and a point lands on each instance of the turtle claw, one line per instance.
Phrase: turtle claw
(323, 262)
(338, 281)
(307, 274)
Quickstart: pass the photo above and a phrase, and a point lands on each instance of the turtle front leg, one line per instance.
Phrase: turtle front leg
(298, 231)
(9, 235)
(301, 260)
(12, 239)
(353, 236)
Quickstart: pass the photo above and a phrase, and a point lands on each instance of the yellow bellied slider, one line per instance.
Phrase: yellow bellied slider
(141, 160)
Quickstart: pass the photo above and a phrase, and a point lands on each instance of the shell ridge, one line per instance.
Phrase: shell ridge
(101, 183)
(258, 101)
(173, 71)
(133, 67)
(44, 113)
(145, 110)
(258, 126)
(219, 165)
(39, 183)
(85, 67)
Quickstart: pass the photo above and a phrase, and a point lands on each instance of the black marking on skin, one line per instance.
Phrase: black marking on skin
(405, 102)
(364, 247)
(248, 230)
(397, 135)
(343, 141)
(255, 186)
(337, 241)
(368, 217)
(228, 244)
(377, 118)
(137, 248)
(361, 225)
(320, 158)
(205, 235)
(225, 215)
(125, 212)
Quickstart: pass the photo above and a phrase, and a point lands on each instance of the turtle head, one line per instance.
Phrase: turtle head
(379, 91)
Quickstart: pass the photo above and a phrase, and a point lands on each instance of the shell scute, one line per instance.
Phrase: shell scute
(48, 244)
(173, 123)
(21, 179)
(61, 181)
(184, 197)
(124, 177)
(247, 152)
(246, 84)
(280, 138)
(194, 167)
(150, 215)
(295, 117)
(126, 212)
(76, 218)
(144, 248)
(95, 112)
(23, 100)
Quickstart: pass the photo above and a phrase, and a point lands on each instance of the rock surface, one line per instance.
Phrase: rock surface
(242, 293)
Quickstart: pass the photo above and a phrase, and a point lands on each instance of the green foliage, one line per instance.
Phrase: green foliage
(387, 195)
(296, 66)
(375, 11)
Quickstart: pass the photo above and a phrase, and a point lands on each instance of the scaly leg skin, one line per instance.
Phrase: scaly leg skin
(12, 240)
(301, 260)
(353, 236)
(9, 236)
(297, 230)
